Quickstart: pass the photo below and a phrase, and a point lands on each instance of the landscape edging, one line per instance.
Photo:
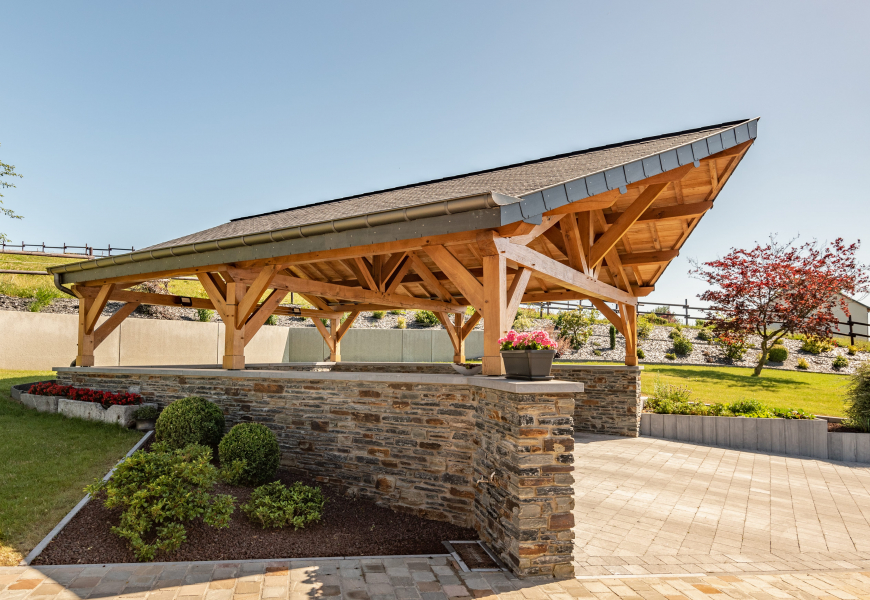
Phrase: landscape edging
(791, 437)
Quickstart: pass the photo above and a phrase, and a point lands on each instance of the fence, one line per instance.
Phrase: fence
(42, 249)
(568, 305)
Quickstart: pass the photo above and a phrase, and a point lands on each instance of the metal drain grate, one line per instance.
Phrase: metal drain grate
(474, 556)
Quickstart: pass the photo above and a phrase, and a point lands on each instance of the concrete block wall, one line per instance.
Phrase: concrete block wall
(791, 437)
(417, 443)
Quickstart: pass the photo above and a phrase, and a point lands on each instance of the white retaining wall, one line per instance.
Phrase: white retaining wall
(792, 437)
(38, 342)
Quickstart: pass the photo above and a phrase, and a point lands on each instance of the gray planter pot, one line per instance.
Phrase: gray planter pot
(532, 365)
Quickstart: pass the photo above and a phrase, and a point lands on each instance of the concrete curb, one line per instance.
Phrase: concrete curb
(792, 437)
(69, 516)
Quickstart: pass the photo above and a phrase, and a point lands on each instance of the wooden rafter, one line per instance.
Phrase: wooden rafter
(262, 314)
(515, 293)
(536, 231)
(428, 278)
(626, 219)
(254, 292)
(105, 330)
(574, 244)
(680, 211)
(467, 283)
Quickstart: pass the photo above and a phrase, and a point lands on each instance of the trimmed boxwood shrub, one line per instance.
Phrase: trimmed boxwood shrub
(778, 354)
(191, 420)
(257, 447)
(276, 505)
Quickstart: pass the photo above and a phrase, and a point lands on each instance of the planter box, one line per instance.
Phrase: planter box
(92, 411)
(40, 403)
(528, 364)
(791, 437)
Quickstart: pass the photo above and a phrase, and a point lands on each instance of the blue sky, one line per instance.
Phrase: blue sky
(134, 123)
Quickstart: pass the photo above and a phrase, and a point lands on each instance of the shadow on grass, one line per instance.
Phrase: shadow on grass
(768, 381)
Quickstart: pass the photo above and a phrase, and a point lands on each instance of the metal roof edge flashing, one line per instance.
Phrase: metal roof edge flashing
(412, 213)
(620, 176)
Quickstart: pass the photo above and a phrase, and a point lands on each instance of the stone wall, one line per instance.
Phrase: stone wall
(611, 401)
(523, 466)
(425, 444)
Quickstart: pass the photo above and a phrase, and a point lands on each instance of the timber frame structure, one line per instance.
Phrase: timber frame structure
(599, 225)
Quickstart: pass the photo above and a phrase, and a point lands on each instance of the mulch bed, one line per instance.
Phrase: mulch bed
(349, 527)
(840, 428)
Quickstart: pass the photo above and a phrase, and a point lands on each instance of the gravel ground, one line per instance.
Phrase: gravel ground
(349, 527)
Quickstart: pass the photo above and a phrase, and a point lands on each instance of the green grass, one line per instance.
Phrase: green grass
(818, 393)
(46, 461)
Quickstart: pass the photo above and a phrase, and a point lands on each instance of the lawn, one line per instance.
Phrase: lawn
(47, 459)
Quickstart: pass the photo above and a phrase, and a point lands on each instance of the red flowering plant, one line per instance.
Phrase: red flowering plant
(529, 340)
(105, 399)
(780, 289)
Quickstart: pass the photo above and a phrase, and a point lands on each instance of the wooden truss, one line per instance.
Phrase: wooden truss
(608, 248)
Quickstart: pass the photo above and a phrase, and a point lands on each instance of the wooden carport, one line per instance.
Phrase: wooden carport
(599, 225)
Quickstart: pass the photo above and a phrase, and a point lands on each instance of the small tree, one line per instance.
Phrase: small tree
(7, 171)
(576, 326)
(780, 289)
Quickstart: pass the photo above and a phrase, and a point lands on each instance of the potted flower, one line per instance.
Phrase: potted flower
(145, 418)
(528, 355)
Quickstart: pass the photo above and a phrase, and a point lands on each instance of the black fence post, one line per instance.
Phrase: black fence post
(686, 307)
(851, 331)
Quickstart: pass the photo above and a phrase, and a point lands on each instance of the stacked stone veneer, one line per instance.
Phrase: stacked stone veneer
(446, 449)
(611, 401)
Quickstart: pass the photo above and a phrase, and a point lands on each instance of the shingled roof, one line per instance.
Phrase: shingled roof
(516, 181)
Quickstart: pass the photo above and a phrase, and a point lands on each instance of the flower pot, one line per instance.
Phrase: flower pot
(531, 365)
(145, 424)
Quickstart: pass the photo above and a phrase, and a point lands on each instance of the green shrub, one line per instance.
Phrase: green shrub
(671, 356)
(791, 413)
(146, 413)
(705, 335)
(682, 346)
(256, 446)
(42, 298)
(401, 322)
(749, 407)
(675, 333)
(161, 490)
(191, 420)
(397, 311)
(596, 352)
(641, 353)
(644, 328)
(378, 314)
(575, 326)
(272, 320)
(612, 337)
(778, 354)
(276, 505)
(732, 347)
(204, 314)
(815, 345)
(426, 318)
(852, 350)
(668, 392)
(840, 362)
(523, 323)
(803, 364)
(857, 408)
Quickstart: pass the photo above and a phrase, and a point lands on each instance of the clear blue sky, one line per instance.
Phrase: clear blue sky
(134, 123)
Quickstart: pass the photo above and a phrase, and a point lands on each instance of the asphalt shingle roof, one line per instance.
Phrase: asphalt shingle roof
(511, 180)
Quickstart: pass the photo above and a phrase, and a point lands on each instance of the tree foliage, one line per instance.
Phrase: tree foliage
(7, 171)
(777, 289)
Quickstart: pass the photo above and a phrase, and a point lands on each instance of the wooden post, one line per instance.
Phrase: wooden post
(630, 320)
(459, 352)
(85, 357)
(494, 298)
(234, 336)
(335, 353)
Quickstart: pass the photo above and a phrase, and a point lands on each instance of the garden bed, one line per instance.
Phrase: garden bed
(349, 527)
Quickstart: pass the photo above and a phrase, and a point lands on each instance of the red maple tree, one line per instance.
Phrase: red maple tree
(778, 289)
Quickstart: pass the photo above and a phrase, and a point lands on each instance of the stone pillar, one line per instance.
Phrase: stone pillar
(523, 471)
(494, 292)
(234, 336)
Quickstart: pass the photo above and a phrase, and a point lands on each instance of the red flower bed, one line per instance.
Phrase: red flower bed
(106, 399)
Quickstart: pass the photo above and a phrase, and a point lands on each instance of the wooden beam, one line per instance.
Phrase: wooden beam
(459, 348)
(209, 282)
(106, 329)
(620, 279)
(85, 356)
(515, 295)
(494, 322)
(399, 275)
(561, 275)
(324, 332)
(642, 290)
(322, 288)
(255, 292)
(666, 177)
(554, 236)
(609, 314)
(536, 231)
(444, 319)
(345, 327)
(234, 335)
(649, 258)
(473, 320)
(669, 212)
(430, 279)
(467, 284)
(100, 301)
(610, 237)
(389, 267)
(516, 229)
(262, 313)
(629, 318)
(574, 244)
